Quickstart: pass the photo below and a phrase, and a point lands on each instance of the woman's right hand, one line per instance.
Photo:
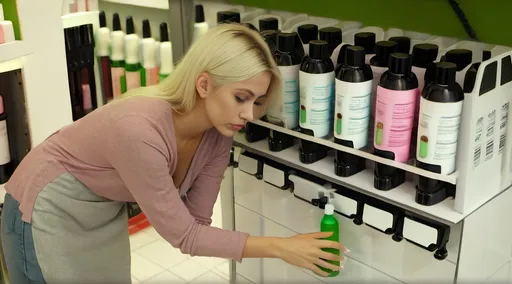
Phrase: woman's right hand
(306, 251)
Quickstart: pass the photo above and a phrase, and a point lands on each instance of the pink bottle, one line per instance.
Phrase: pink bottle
(397, 93)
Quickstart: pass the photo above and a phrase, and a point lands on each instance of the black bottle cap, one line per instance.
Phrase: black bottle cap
(199, 14)
(400, 63)
(146, 29)
(286, 42)
(116, 22)
(164, 32)
(403, 43)
(319, 50)
(384, 49)
(270, 35)
(86, 35)
(228, 16)
(331, 35)
(103, 19)
(69, 39)
(445, 73)
(307, 33)
(355, 56)
(270, 23)
(461, 57)
(423, 54)
(486, 55)
(342, 54)
(365, 40)
(130, 28)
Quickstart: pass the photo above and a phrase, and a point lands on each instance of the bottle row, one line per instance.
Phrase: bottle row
(378, 98)
(128, 61)
(362, 209)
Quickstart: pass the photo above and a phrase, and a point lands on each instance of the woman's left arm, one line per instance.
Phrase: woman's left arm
(205, 189)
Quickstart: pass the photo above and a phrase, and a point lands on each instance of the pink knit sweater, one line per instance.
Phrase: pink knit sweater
(126, 151)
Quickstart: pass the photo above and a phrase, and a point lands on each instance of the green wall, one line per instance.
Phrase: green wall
(491, 19)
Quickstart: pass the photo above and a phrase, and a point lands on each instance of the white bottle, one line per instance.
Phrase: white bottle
(149, 67)
(200, 25)
(117, 56)
(132, 67)
(166, 58)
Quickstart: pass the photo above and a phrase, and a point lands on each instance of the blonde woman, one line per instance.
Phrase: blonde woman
(166, 147)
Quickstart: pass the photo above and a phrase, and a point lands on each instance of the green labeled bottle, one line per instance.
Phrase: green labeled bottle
(330, 224)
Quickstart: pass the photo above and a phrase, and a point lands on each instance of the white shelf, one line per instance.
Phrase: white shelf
(155, 4)
(12, 55)
(452, 178)
(401, 196)
(79, 18)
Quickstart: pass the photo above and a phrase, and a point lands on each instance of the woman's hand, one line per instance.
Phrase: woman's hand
(306, 251)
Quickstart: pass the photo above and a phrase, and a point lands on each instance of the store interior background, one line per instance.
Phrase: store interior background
(155, 261)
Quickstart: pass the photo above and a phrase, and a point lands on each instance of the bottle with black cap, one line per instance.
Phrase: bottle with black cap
(74, 71)
(270, 37)
(403, 43)
(149, 70)
(367, 41)
(269, 23)
(340, 61)
(117, 57)
(200, 25)
(132, 66)
(88, 80)
(307, 33)
(486, 55)
(462, 58)
(224, 17)
(423, 56)
(285, 112)
(333, 36)
(166, 58)
(103, 52)
(396, 101)
(316, 85)
(438, 133)
(352, 110)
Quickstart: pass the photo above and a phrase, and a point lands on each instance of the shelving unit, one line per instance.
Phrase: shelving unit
(156, 4)
(13, 55)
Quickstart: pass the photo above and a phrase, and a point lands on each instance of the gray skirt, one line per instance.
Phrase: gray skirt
(80, 237)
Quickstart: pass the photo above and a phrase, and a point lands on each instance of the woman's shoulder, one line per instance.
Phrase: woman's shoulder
(153, 109)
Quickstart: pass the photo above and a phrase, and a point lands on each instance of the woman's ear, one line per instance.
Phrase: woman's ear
(204, 85)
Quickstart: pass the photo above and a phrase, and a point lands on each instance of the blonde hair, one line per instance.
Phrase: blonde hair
(228, 53)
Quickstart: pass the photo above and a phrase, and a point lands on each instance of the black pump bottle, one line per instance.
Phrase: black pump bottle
(316, 79)
(400, 81)
(353, 87)
(286, 112)
(440, 111)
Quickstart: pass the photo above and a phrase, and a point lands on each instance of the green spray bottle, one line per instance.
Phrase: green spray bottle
(330, 224)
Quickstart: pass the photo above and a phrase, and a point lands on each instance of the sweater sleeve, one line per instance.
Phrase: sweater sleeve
(205, 188)
(137, 150)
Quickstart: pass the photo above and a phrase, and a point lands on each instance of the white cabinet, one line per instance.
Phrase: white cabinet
(252, 223)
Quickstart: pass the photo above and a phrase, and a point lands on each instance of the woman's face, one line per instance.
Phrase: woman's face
(230, 106)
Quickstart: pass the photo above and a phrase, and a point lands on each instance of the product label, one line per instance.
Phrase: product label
(117, 74)
(286, 108)
(377, 73)
(503, 126)
(86, 97)
(438, 134)
(352, 112)
(491, 126)
(316, 100)
(394, 121)
(5, 155)
(132, 79)
(477, 149)
(152, 76)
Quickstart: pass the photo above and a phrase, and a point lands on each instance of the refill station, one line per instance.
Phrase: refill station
(411, 143)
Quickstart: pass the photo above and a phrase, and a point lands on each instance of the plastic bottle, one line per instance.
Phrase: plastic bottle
(333, 36)
(269, 23)
(462, 58)
(149, 70)
(403, 43)
(200, 25)
(103, 52)
(396, 101)
(307, 33)
(228, 17)
(352, 110)
(367, 41)
(132, 66)
(270, 38)
(286, 111)
(438, 133)
(117, 57)
(166, 58)
(316, 81)
(329, 223)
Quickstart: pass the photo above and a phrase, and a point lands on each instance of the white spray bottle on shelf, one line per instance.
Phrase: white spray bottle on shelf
(132, 67)
(149, 71)
(200, 25)
(166, 58)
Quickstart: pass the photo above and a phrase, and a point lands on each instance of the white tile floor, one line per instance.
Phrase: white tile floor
(155, 261)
